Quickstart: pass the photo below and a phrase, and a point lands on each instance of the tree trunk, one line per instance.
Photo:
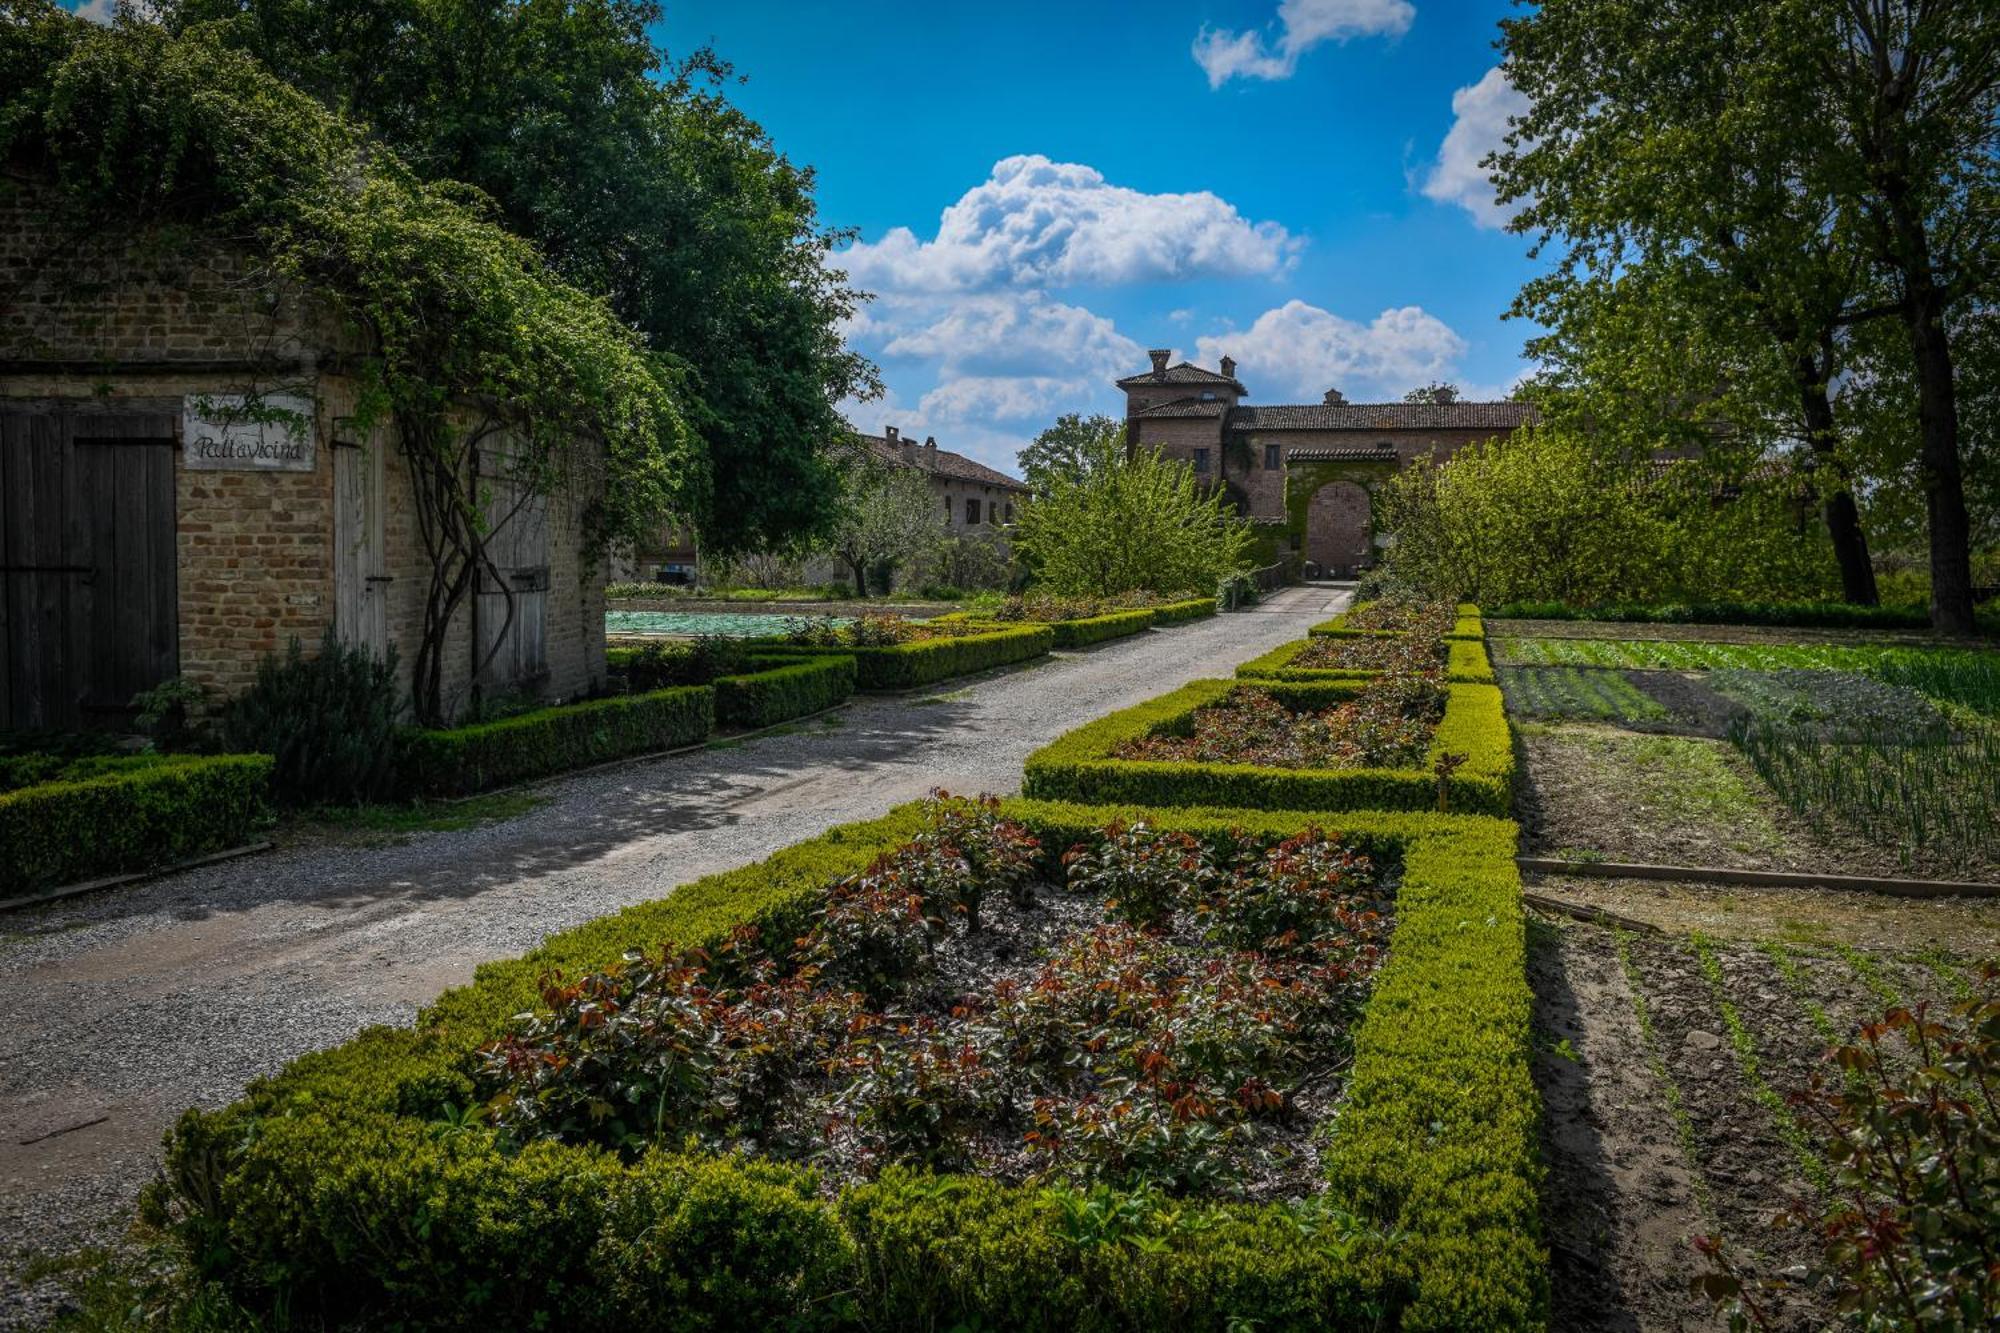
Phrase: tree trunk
(860, 568)
(1938, 461)
(1843, 518)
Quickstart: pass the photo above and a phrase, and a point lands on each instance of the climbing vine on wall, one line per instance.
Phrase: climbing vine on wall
(465, 340)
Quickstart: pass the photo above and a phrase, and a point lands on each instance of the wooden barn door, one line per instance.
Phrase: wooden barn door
(89, 602)
(518, 544)
(360, 569)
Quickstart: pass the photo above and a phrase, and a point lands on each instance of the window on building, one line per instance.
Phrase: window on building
(972, 513)
(1274, 457)
(1208, 395)
(1010, 511)
(947, 509)
(1201, 460)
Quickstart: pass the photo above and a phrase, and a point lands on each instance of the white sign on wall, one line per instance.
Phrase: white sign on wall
(270, 432)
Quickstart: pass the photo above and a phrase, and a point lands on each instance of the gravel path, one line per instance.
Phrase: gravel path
(120, 1009)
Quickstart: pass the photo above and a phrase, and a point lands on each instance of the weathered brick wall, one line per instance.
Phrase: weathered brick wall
(1337, 526)
(152, 319)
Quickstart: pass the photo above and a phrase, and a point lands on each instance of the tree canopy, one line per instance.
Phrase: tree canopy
(638, 179)
(1066, 450)
(1127, 524)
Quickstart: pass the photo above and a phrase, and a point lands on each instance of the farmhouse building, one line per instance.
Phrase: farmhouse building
(974, 495)
(186, 484)
(1303, 472)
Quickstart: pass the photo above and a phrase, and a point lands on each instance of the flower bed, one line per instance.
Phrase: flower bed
(1463, 622)
(130, 816)
(356, 1185)
(551, 740)
(1358, 656)
(1085, 764)
(909, 665)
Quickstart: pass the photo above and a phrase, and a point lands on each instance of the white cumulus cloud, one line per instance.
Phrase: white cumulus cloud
(1304, 350)
(1480, 114)
(1038, 223)
(1302, 24)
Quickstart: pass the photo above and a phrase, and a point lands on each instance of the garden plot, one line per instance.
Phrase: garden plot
(1667, 1063)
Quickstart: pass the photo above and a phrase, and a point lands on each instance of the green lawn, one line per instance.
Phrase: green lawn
(1577, 693)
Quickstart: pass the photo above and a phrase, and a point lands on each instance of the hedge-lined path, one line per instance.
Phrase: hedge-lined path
(135, 1004)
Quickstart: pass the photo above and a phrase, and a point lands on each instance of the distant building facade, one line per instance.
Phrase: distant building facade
(1304, 472)
(976, 497)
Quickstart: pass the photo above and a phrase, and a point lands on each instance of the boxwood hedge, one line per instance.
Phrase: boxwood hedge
(350, 1187)
(56, 833)
(1179, 613)
(1079, 766)
(551, 740)
(1097, 629)
(906, 666)
(1465, 660)
(782, 688)
(1469, 625)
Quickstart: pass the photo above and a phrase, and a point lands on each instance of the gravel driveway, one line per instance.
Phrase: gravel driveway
(120, 1009)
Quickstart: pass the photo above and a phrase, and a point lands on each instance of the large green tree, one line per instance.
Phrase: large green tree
(637, 178)
(1065, 450)
(1748, 152)
(1127, 523)
(888, 514)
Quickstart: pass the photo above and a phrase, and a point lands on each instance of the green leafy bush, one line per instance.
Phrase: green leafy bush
(1082, 765)
(347, 1190)
(158, 813)
(696, 661)
(906, 666)
(552, 740)
(1468, 625)
(329, 721)
(1097, 629)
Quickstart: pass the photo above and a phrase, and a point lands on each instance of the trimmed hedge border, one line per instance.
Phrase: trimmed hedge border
(776, 689)
(1079, 765)
(471, 759)
(59, 833)
(1180, 613)
(1098, 629)
(783, 688)
(1465, 661)
(1469, 625)
(905, 666)
(335, 1190)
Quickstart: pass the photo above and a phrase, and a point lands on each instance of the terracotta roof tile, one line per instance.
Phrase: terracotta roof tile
(1184, 373)
(948, 464)
(1185, 407)
(1364, 453)
(1384, 416)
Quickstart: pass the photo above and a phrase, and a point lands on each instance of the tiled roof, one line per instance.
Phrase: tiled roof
(1384, 416)
(1184, 373)
(1363, 453)
(1185, 407)
(948, 464)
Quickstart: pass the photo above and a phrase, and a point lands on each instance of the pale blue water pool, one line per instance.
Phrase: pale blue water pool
(734, 624)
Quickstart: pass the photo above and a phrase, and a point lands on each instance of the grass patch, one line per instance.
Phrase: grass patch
(395, 821)
(1677, 780)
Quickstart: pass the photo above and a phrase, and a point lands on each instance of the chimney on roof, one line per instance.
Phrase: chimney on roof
(1229, 367)
(930, 453)
(889, 434)
(1335, 396)
(1160, 355)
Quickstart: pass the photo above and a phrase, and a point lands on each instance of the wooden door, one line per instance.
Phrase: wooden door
(89, 599)
(514, 646)
(360, 568)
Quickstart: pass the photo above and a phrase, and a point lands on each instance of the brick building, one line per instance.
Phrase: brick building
(1305, 473)
(974, 496)
(185, 486)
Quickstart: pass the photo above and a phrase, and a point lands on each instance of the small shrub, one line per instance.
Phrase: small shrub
(1909, 1124)
(1143, 874)
(552, 740)
(697, 661)
(328, 722)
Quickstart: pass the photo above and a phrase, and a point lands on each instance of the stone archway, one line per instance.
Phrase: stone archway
(1339, 530)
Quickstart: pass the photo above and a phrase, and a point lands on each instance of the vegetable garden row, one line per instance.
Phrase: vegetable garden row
(1219, 1026)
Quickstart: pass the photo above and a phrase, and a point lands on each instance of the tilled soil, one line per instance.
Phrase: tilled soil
(1659, 1129)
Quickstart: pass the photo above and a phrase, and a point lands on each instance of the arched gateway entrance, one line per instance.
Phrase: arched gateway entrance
(1338, 529)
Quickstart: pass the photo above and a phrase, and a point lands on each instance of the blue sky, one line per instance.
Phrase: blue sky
(1043, 190)
(1290, 183)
